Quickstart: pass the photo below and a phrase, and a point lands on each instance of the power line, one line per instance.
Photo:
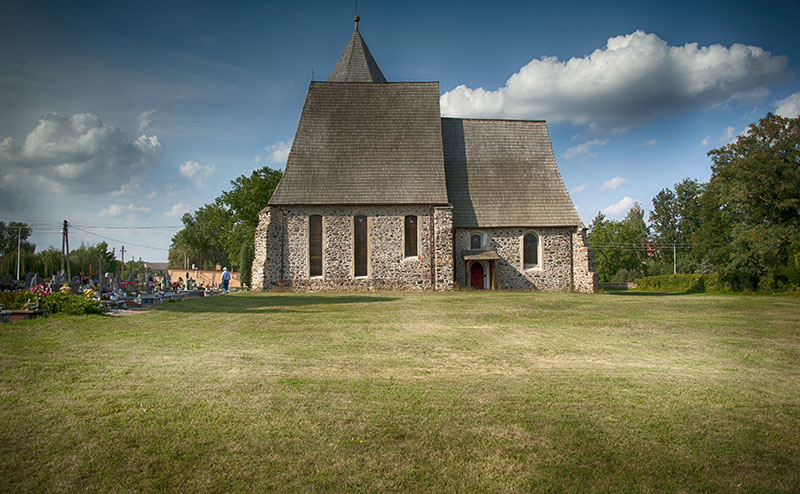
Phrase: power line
(117, 240)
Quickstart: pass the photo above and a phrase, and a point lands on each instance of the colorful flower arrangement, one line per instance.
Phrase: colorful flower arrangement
(40, 291)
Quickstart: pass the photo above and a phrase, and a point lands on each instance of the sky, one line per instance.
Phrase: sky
(120, 117)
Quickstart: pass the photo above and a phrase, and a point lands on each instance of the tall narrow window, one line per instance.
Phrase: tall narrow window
(360, 244)
(411, 236)
(476, 241)
(315, 245)
(530, 253)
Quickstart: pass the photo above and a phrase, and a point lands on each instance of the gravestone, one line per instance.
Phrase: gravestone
(28, 278)
(75, 286)
(36, 280)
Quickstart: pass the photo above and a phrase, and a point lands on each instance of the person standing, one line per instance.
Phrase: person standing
(226, 278)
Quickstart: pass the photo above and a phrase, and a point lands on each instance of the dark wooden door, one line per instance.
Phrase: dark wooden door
(476, 275)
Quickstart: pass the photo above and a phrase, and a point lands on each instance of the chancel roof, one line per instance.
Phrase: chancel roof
(366, 143)
(503, 173)
(356, 63)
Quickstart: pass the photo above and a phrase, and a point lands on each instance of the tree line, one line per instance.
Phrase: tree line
(743, 226)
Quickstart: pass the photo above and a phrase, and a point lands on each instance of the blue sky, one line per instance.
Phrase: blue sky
(121, 116)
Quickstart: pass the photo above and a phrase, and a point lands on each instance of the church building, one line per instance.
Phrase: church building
(381, 192)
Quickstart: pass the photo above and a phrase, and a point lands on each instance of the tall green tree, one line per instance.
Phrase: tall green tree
(674, 220)
(751, 215)
(223, 231)
(620, 247)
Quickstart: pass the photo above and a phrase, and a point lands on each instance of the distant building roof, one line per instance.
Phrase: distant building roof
(503, 173)
(366, 143)
(356, 63)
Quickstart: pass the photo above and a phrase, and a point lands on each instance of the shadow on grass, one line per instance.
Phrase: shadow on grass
(266, 302)
(636, 293)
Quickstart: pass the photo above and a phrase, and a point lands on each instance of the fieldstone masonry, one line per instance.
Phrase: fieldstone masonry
(281, 250)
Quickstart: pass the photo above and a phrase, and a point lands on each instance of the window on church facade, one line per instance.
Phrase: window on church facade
(410, 236)
(476, 240)
(360, 245)
(530, 250)
(315, 245)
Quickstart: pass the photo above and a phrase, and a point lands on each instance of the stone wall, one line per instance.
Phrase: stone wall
(553, 272)
(281, 251)
(585, 277)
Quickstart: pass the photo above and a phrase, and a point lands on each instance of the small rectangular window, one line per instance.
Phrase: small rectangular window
(530, 254)
(476, 241)
(411, 236)
(315, 245)
(360, 245)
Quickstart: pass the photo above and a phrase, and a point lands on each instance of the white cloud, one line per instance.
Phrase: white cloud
(194, 170)
(633, 78)
(789, 107)
(143, 120)
(120, 209)
(613, 183)
(620, 208)
(275, 153)
(178, 209)
(77, 153)
(706, 141)
(650, 142)
(728, 134)
(579, 188)
(584, 148)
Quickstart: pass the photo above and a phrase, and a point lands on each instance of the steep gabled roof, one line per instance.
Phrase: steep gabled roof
(356, 63)
(503, 173)
(363, 143)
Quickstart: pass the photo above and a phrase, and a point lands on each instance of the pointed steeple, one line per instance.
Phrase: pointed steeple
(356, 63)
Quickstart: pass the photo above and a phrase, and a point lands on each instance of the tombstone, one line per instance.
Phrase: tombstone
(36, 280)
(75, 286)
(28, 278)
(147, 286)
(56, 282)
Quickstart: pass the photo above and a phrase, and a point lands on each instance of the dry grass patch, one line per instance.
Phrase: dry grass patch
(394, 391)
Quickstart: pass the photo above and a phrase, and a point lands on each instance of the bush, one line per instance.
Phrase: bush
(71, 304)
(15, 300)
(673, 283)
(625, 275)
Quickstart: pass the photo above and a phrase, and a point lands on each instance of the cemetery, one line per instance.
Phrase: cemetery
(27, 298)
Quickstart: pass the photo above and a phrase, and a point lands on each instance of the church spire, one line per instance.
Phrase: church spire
(356, 63)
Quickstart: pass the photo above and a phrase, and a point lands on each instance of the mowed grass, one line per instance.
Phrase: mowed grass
(394, 391)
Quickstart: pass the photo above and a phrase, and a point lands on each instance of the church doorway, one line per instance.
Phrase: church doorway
(476, 275)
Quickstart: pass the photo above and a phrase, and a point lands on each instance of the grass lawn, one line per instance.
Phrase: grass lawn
(394, 391)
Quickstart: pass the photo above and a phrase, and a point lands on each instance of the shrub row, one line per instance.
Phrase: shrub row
(52, 303)
(683, 283)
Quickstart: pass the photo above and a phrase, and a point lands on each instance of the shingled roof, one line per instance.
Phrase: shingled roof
(356, 63)
(366, 143)
(503, 173)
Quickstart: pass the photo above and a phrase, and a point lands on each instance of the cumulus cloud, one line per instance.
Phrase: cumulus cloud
(120, 209)
(635, 77)
(77, 153)
(613, 184)
(789, 107)
(620, 208)
(195, 171)
(584, 148)
(579, 188)
(275, 153)
(178, 209)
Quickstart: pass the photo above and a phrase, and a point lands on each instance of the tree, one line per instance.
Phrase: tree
(619, 245)
(218, 232)
(751, 209)
(674, 220)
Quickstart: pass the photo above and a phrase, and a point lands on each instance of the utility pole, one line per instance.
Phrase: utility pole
(674, 259)
(122, 274)
(66, 239)
(19, 237)
(63, 238)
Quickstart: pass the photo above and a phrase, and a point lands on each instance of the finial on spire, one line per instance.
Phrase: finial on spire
(356, 19)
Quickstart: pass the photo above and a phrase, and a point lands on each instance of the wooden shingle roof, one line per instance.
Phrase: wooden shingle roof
(356, 63)
(366, 143)
(503, 173)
